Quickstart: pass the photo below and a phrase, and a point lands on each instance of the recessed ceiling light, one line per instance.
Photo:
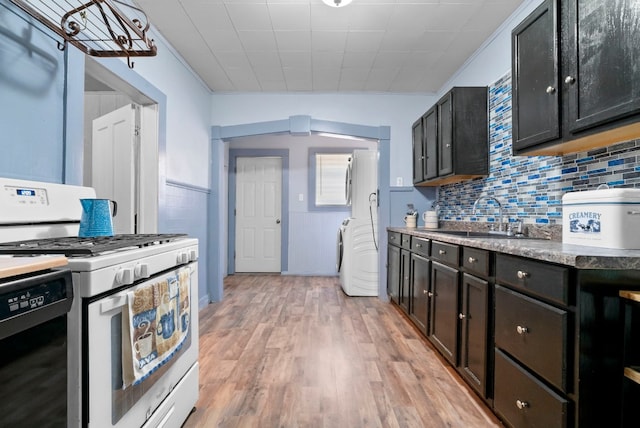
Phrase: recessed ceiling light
(336, 3)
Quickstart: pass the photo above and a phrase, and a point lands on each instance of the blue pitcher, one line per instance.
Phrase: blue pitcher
(97, 219)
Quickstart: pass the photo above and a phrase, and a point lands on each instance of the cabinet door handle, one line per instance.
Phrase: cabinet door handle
(522, 330)
(472, 260)
(570, 80)
(461, 316)
(430, 294)
(522, 274)
(447, 145)
(521, 404)
(418, 245)
(550, 89)
(425, 292)
(442, 252)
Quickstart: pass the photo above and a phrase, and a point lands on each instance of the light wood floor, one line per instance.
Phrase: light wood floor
(286, 351)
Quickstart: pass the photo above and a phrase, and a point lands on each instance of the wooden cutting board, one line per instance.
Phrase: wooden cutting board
(12, 266)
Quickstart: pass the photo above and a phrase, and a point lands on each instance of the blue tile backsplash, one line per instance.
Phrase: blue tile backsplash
(531, 187)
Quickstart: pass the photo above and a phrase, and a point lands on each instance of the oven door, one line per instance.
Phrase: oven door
(108, 402)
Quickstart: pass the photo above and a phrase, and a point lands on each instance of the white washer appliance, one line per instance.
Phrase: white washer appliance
(107, 272)
(357, 237)
(361, 182)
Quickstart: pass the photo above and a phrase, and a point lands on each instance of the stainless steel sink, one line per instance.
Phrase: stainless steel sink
(491, 235)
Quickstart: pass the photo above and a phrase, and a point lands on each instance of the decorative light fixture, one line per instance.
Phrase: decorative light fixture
(336, 3)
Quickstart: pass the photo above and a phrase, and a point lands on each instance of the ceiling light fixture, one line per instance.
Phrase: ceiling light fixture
(336, 3)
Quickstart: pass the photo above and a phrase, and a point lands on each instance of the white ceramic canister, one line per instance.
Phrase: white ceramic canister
(430, 219)
(411, 220)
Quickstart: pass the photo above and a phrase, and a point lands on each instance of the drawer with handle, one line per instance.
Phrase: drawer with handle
(395, 238)
(445, 253)
(405, 241)
(539, 278)
(476, 261)
(534, 333)
(524, 401)
(420, 246)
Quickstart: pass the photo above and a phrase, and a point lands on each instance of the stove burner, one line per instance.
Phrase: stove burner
(74, 246)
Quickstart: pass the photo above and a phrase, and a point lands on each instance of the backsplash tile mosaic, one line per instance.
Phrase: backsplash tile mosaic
(531, 188)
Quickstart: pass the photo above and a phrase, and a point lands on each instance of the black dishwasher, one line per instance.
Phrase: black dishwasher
(33, 348)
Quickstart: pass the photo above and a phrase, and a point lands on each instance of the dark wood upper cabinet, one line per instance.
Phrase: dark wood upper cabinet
(418, 154)
(534, 82)
(430, 125)
(601, 54)
(455, 138)
(574, 64)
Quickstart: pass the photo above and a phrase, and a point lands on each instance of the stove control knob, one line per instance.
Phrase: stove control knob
(193, 255)
(141, 270)
(124, 276)
(183, 258)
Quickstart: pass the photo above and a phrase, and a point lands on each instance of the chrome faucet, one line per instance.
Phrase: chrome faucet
(489, 198)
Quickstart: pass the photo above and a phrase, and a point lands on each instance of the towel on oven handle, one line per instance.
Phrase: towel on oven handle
(155, 324)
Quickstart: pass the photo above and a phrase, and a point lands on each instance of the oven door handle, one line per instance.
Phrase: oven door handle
(114, 302)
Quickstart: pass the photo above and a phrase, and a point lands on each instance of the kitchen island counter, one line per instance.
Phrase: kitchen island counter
(577, 256)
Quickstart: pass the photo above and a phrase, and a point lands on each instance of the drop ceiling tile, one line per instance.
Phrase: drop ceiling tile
(293, 40)
(257, 40)
(266, 59)
(359, 59)
(327, 60)
(325, 18)
(353, 79)
(269, 74)
(208, 15)
(295, 59)
(326, 78)
(401, 40)
(233, 59)
(224, 41)
(450, 17)
(290, 16)
(243, 78)
(273, 86)
(370, 17)
(250, 16)
(328, 40)
(371, 45)
(364, 41)
(435, 40)
(391, 59)
(380, 79)
(412, 17)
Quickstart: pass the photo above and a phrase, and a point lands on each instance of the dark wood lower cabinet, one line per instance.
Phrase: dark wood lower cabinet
(521, 400)
(474, 332)
(421, 288)
(393, 273)
(443, 322)
(541, 343)
(405, 280)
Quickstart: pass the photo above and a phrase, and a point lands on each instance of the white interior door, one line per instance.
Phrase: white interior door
(114, 160)
(258, 214)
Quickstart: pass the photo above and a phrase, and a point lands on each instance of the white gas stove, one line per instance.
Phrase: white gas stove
(133, 325)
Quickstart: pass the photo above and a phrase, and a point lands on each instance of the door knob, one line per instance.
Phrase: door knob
(277, 221)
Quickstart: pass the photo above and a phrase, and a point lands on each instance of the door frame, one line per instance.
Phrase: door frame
(234, 154)
(219, 226)
(151, 162)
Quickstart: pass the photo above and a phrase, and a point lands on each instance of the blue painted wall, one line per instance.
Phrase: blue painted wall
(41, 122)
(32, 85)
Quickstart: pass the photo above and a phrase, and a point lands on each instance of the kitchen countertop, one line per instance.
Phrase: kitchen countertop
(14, 266)
(546, 250)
